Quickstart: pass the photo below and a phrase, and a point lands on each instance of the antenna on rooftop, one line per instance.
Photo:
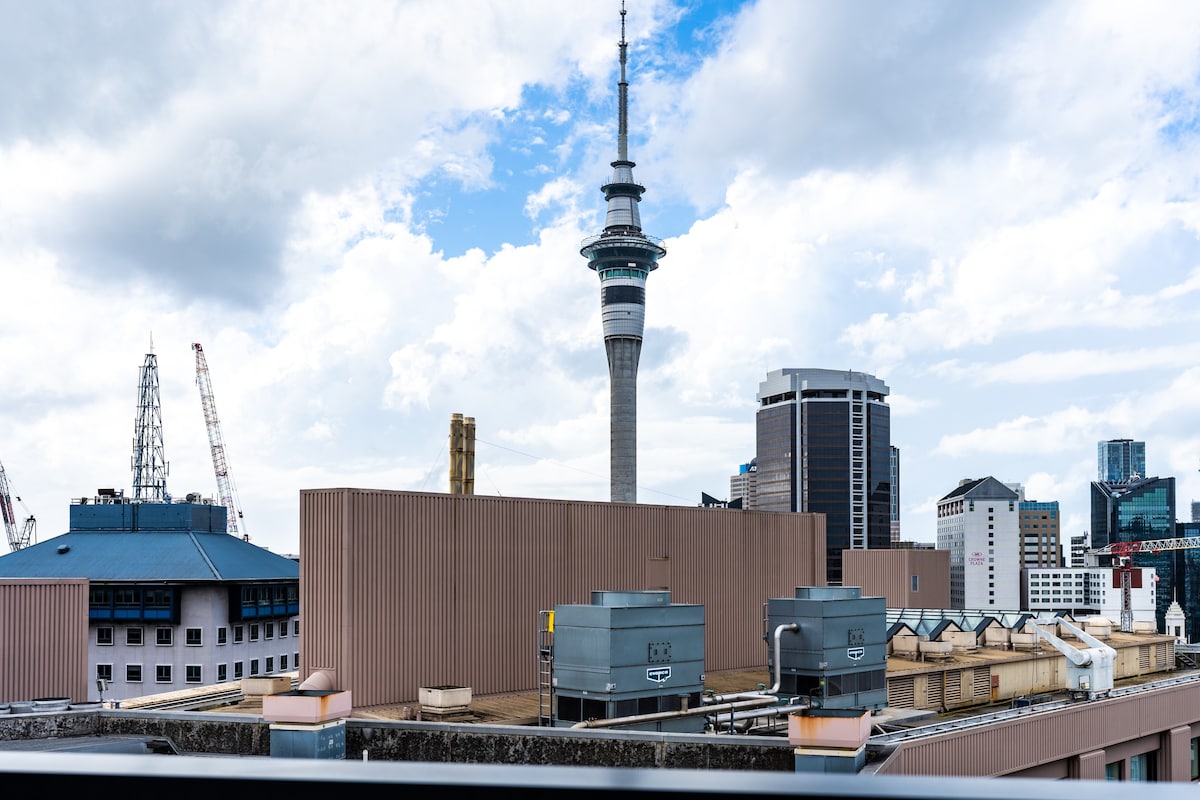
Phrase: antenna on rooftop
(150, 466)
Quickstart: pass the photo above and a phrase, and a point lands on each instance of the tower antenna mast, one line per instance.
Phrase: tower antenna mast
(623, 256)
(150, 466)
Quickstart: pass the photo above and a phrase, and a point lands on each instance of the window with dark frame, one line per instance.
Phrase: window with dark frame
(104, 672)
(270, 664)
(133, 637)
(133, 673)
(237, 634)
(194, 637)
(253, 667)
(222, 634)
(163, 637)
(104, 636)
(192, 673)
(162, 673)
(222, 673)
(237, 670)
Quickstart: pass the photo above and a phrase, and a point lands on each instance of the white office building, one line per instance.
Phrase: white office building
(979, 524)
(1089, 591)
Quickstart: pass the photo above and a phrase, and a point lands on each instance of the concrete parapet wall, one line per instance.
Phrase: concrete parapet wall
(495, 744)
(249, 735)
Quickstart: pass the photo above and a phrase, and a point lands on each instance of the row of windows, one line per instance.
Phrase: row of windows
(194, 673)
(194, 637)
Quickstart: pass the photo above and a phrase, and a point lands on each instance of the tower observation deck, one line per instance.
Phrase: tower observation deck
(623, 256)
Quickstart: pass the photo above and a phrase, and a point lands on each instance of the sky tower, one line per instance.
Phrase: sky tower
(623, 256)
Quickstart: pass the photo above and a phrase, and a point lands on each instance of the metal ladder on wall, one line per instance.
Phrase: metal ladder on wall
(545, 660)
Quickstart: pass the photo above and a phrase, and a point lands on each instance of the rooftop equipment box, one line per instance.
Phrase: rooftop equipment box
(629, 654)
(838, 657)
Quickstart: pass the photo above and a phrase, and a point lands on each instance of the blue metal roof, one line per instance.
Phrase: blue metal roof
(172, 555)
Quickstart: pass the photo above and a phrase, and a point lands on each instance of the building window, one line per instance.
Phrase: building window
(253, 667)
(193, 637)
(222, 633)
(162, 637)
(162, 673)
(295, 627)
(295, 661)
(283, 663)
(1114, 771)
(104, 636)
(916, 583)
(133, 673)
(269, 630)
(1143, 767)
(237, 634)
(237, 670)
(283, 630)
(133, 638)
(254, 631)
(1196, 759)
(104, 673)
(192, 673)
(222, 673)
(270, 664)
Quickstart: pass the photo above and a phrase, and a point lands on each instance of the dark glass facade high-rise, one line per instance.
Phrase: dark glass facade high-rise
(824, 446)
(1137, 511)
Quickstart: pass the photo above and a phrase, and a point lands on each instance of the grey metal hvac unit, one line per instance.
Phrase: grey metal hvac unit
(832, 646)
(628, 654)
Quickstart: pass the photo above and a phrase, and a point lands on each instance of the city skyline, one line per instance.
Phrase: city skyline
(993, 209)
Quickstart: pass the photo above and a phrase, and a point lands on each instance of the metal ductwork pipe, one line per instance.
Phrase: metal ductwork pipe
(794, 628)
(703, 711)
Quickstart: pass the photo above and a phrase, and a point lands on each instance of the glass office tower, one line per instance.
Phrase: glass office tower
(1119, 460)
(824, 446)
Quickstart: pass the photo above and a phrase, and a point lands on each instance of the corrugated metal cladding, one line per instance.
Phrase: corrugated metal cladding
(1004, 748)
(400, 590)
(43, 639)
(889, 573)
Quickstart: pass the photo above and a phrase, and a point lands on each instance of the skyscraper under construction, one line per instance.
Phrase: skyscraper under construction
(623, 256)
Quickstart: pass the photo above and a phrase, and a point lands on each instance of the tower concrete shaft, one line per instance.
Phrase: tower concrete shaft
(622, 255)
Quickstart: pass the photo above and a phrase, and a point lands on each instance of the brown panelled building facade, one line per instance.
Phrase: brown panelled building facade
(401, 590)
(43, 639)
(906, 578)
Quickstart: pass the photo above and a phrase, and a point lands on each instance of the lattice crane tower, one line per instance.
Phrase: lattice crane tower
(226, 490)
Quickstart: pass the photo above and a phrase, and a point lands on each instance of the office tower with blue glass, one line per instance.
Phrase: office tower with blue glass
(622, 255)
(1120, 460)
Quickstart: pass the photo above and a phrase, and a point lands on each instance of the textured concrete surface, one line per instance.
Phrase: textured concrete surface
(623, 355)
(233, 734)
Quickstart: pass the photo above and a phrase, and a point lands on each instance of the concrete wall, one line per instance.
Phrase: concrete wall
(890, 574)
(403, 589)
(43, 639)
(247, 735)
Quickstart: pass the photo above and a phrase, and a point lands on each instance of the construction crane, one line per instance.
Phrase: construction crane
(226, 490)
(17, 539)
(1122, 553)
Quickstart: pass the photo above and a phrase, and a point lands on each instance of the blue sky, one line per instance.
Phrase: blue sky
(370, 217)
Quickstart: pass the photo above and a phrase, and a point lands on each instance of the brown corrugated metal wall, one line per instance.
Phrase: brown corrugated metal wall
(888, 574)
(1023, 744)
(401, 589)
(43, 639)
